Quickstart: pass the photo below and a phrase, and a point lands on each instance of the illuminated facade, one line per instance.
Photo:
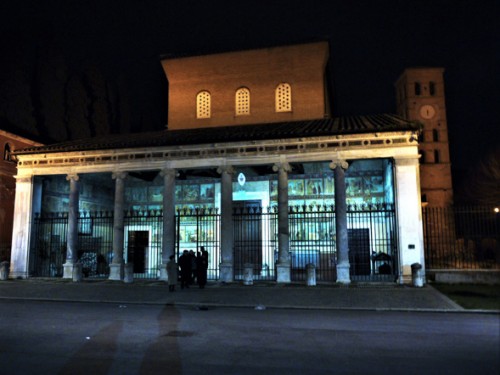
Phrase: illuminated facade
(253, 168)
(9, 143)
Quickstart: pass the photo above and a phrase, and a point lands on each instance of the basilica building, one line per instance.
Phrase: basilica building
(253, 167)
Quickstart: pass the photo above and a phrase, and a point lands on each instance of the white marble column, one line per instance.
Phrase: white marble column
(409, 214)
(116, 268)
(168, 239)
(339, 167)
(72, 235)
(226, 267)
(21, 232)
(283, 266)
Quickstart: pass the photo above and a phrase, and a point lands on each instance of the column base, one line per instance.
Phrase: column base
(68, 270)
(226, 273)
(283, 273)
(18, 275)
(405, 276)
(343, 276)
(116, 271)
(163, 272)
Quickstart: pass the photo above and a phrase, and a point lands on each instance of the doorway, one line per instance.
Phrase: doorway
(138, 242)
(247, 218)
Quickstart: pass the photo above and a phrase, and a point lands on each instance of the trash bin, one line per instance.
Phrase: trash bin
(248, 274)
(4, 270)
(416, 275)
(311, 274)
(129, 273)
(77, 272)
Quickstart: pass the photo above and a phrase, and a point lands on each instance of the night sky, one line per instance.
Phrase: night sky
(371, 44)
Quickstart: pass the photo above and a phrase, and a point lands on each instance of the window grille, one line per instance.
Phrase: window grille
(242, 99)
(283, 98)
(203, 104)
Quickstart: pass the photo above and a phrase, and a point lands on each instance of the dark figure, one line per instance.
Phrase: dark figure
(201, 267)
(185, 265)
(194, 262)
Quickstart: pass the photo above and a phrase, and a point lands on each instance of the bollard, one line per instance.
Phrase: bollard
(248, 274)
(129, 273)
(4, 270)
(77, 272)
(311, 274)
(416, 276)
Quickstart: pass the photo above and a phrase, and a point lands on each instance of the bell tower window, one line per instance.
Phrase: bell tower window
(418, 90)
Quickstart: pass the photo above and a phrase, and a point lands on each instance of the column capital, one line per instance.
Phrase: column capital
(72, 177)
(225, 169)
(119, 175)
(339, 163)
(23, 179)
(283, 166)
(170, 172)
(406, 160)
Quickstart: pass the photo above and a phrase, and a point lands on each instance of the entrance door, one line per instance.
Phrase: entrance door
(359, 251)
(247, 218)
(138, 242)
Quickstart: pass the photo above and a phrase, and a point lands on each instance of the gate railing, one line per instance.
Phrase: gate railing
(255, 241)
(461, 237)
(312, 239)
(196, 228)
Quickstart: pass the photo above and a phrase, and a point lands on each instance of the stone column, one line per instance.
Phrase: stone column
(409, 214)
(22, 221)
(226, 223)
(283, 267)
(72, 236)
(116, 268)
(168, 239)
(343, 266)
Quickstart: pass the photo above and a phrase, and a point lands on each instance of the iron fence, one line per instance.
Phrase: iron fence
(312, 236)
(255, 241)
(461, 237)
(197, 228)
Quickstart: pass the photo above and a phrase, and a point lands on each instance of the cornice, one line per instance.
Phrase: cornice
(204, 154)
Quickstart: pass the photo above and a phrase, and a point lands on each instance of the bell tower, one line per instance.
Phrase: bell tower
(420, 97)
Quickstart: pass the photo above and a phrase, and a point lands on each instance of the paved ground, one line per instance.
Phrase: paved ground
(259, 295)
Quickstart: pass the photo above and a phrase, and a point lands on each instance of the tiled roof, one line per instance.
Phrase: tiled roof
(283, 130)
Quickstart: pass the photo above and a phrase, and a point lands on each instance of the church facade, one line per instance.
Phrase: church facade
(253, 167)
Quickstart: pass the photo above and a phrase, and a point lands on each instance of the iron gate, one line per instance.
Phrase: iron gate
(312, 234)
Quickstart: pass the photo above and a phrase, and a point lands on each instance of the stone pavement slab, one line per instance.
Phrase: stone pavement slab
(259, 295)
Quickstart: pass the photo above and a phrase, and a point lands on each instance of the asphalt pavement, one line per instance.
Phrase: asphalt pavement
(260, 295)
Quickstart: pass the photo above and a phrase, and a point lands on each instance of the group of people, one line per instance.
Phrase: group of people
(192, 268)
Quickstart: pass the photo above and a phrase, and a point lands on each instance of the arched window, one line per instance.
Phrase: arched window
(437, 158)
(432, 88)
(283, 98)
(242, 101)
(435, 135)
(422, 157)
(7, 152)
(203, 104)
(417, 88)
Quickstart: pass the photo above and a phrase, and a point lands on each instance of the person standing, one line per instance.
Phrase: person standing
(202, 267)
(194, 263)
(185, 265)
(172, 273)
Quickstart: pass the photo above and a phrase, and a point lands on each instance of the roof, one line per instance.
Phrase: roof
(239, 48)
(284, 130)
